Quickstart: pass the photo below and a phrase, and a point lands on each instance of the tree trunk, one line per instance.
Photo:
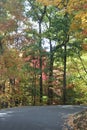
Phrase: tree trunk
(64, 76)
(65, 59)
(50, 91)
(40, 65)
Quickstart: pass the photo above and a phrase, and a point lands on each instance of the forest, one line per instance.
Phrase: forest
(43, 52)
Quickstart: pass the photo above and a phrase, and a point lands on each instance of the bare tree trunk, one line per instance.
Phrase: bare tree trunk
(40, 64)
(50, 91)
(64, 76)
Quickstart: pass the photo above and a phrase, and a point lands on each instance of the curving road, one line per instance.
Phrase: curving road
(37, 117)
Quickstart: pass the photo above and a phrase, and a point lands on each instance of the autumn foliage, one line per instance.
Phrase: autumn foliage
(43, 52)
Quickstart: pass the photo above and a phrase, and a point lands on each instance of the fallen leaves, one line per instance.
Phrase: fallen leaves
(77, 121)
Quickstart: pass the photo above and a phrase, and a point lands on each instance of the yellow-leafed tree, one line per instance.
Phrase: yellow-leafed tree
(78, 11)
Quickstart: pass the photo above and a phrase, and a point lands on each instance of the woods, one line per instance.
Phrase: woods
(43, 52)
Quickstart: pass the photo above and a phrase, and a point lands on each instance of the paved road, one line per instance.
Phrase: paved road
(36, 118)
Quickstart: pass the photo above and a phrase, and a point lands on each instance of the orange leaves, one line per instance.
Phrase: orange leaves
(84, 46)
(76, 5)
(70, 86)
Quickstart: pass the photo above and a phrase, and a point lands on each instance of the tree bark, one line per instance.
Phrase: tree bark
(64, 75)
(50, 85)
(40, 64)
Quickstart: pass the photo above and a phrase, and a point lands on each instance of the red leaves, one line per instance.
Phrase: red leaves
(84, 32)
(80, 7)
(35, 63)
(44, 76)
(85, 6)
(8, 25)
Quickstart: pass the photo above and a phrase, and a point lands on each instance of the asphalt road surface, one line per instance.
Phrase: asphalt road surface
(37, 117)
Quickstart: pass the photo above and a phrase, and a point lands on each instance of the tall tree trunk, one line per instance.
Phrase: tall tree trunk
(64, 75)
(40, 63)
(65, 57)
(50, 85)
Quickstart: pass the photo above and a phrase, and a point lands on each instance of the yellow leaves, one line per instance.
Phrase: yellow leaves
(3, 70)
(78, 10)
(84, 20)
(79, 23)
(82, 16)
(45, 2)
(50, 2)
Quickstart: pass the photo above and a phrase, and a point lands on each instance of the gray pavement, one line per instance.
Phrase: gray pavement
(37, 117)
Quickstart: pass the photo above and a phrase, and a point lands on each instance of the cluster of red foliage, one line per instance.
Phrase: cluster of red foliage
(80, 7)
(35, 63)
